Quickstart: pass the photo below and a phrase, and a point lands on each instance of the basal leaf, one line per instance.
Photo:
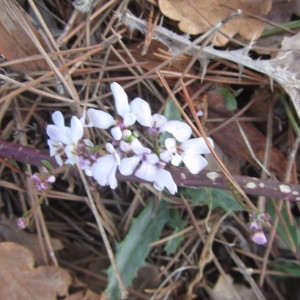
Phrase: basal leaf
(290, 267)
(287, 231)
(133, 250)
(214, 197)
(177, 223)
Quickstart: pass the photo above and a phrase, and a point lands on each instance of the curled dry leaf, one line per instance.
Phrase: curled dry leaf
(197, 16)
(19, 279)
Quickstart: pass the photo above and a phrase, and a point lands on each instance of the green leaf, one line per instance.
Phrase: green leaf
(214, 197)
(47, 164)
(178, 224)
(133, 250)
(171, 112)
(289, 267)
(229, 101)
(288, 232)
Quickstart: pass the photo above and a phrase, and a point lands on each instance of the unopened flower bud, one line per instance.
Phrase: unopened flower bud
(259, 238)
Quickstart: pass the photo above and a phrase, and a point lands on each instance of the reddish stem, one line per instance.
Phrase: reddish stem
(182, 177)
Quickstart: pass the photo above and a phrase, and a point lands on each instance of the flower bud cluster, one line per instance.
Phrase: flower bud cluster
(125, 151)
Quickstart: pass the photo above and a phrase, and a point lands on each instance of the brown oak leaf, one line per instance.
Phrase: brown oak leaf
(197, 16)
(20, 280)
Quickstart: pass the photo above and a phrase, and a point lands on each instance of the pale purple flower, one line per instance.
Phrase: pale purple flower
(259, 237)
(23, 222)
(188, 152)
(42, 182)
(255, 227)
(104, 169)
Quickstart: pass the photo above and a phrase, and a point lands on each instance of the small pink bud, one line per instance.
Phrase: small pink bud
(22, 223)
(42, 182)
(253, 226)
(259, 238)
(263, 217)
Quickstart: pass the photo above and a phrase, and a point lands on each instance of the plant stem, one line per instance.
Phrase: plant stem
(181, 176)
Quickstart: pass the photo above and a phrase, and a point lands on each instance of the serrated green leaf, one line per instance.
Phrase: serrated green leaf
(214, 197)
(229, 101)
(133, 250)
(288, 232)
(177, 223)
(171, 112)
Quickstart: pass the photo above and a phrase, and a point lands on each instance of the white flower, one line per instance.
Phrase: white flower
(159, 123)
(64, 139)
(129, 164)
(104, 169)
(58, 132)
(57, 149)
(189, 152)
(103, 120)
(151, 169)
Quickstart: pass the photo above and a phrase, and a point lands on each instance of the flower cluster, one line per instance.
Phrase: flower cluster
(166, 142)
(255, 226)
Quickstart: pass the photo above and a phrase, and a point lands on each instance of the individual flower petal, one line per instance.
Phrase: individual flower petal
(121, 99)
(159, 120)
(128, 165)
(146, 171)
(151, 158)
(164, 179)
(176, 160)
(180, 130)
(195, 163)
(100, 119)
(142, 111)
(196, 146)
(125, 147)
(170, 144)
(57, 134)
(129, 119)
(138, 148)
(58, 119)
(116, 133)
(76, 132)
(104, 170)
(111, 149)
